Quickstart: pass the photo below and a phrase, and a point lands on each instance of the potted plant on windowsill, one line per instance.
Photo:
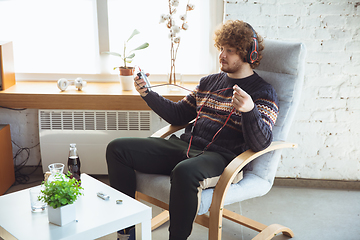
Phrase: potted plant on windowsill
(126, 72)
(60, 196)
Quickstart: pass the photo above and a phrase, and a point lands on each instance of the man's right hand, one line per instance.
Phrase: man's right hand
(139, 83)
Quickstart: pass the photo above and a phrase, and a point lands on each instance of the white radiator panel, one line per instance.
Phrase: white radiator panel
(91, 130)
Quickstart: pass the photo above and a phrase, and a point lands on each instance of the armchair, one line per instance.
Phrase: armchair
(283, 67)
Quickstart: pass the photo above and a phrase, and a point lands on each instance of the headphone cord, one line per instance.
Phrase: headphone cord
(216, 134)
(197, 117)
(168, 84)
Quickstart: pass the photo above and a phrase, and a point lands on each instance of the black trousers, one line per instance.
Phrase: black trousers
(167, 157)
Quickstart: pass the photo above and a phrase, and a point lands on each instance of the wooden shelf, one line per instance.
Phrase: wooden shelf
(95, 96)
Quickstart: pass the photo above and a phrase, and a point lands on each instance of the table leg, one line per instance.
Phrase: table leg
(5, 234)
(144, 232)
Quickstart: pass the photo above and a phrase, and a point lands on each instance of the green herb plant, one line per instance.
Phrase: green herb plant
(128, 57)
(62, 192)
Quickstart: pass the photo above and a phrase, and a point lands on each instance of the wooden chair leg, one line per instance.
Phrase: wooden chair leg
(159, 219)
(202, 220)
(247, 222)
(215, 223)
(271, 231)
(141, 196)
(266, 232)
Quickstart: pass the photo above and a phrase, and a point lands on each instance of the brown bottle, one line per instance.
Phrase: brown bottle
(74, 162)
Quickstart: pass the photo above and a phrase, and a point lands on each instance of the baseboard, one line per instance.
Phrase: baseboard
(317, 183)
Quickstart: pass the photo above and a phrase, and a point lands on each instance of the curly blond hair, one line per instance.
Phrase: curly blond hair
(239, 35)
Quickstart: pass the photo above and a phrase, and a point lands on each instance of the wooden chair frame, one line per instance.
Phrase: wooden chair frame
(217, 210)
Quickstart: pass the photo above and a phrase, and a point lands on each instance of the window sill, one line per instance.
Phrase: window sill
(95, 96)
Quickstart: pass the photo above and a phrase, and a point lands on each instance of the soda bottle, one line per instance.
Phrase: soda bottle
(74, 162)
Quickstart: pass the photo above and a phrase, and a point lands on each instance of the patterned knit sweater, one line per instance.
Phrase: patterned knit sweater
(243, 131)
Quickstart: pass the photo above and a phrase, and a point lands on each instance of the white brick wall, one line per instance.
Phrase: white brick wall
(327, 124)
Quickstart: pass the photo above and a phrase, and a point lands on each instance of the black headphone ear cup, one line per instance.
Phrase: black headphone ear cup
(253, 54)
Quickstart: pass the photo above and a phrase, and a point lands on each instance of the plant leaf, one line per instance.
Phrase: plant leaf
(131, 56)
(142, 46)
(113, 53)
(135, 32)
(59, 193)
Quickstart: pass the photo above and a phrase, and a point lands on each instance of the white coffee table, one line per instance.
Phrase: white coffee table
(95, 217)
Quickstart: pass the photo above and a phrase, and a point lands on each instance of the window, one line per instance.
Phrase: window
(51, 36)
(61, 37)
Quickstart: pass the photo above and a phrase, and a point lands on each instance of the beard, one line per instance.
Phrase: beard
(229, 68)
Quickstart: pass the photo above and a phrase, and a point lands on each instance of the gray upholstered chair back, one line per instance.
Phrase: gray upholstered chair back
(283, 67)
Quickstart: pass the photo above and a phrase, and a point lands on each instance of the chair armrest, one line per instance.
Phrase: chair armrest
(236, 165)
(167, 130)
(239, 162)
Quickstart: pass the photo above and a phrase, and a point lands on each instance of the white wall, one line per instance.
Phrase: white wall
(327, 123)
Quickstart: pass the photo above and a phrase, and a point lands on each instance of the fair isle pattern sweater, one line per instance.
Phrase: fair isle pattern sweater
(243, 131)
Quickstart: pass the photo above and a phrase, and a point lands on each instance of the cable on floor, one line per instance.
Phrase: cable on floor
(20, 177)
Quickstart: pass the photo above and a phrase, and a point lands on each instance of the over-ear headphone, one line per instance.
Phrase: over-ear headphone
(63, 83)
(252, 55)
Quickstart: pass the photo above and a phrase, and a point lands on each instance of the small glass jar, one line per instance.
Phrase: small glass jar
(56, 170)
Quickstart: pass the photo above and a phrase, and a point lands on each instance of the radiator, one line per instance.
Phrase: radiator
(91, 130)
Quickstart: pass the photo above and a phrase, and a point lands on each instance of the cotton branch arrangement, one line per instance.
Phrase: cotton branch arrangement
(169, 20)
